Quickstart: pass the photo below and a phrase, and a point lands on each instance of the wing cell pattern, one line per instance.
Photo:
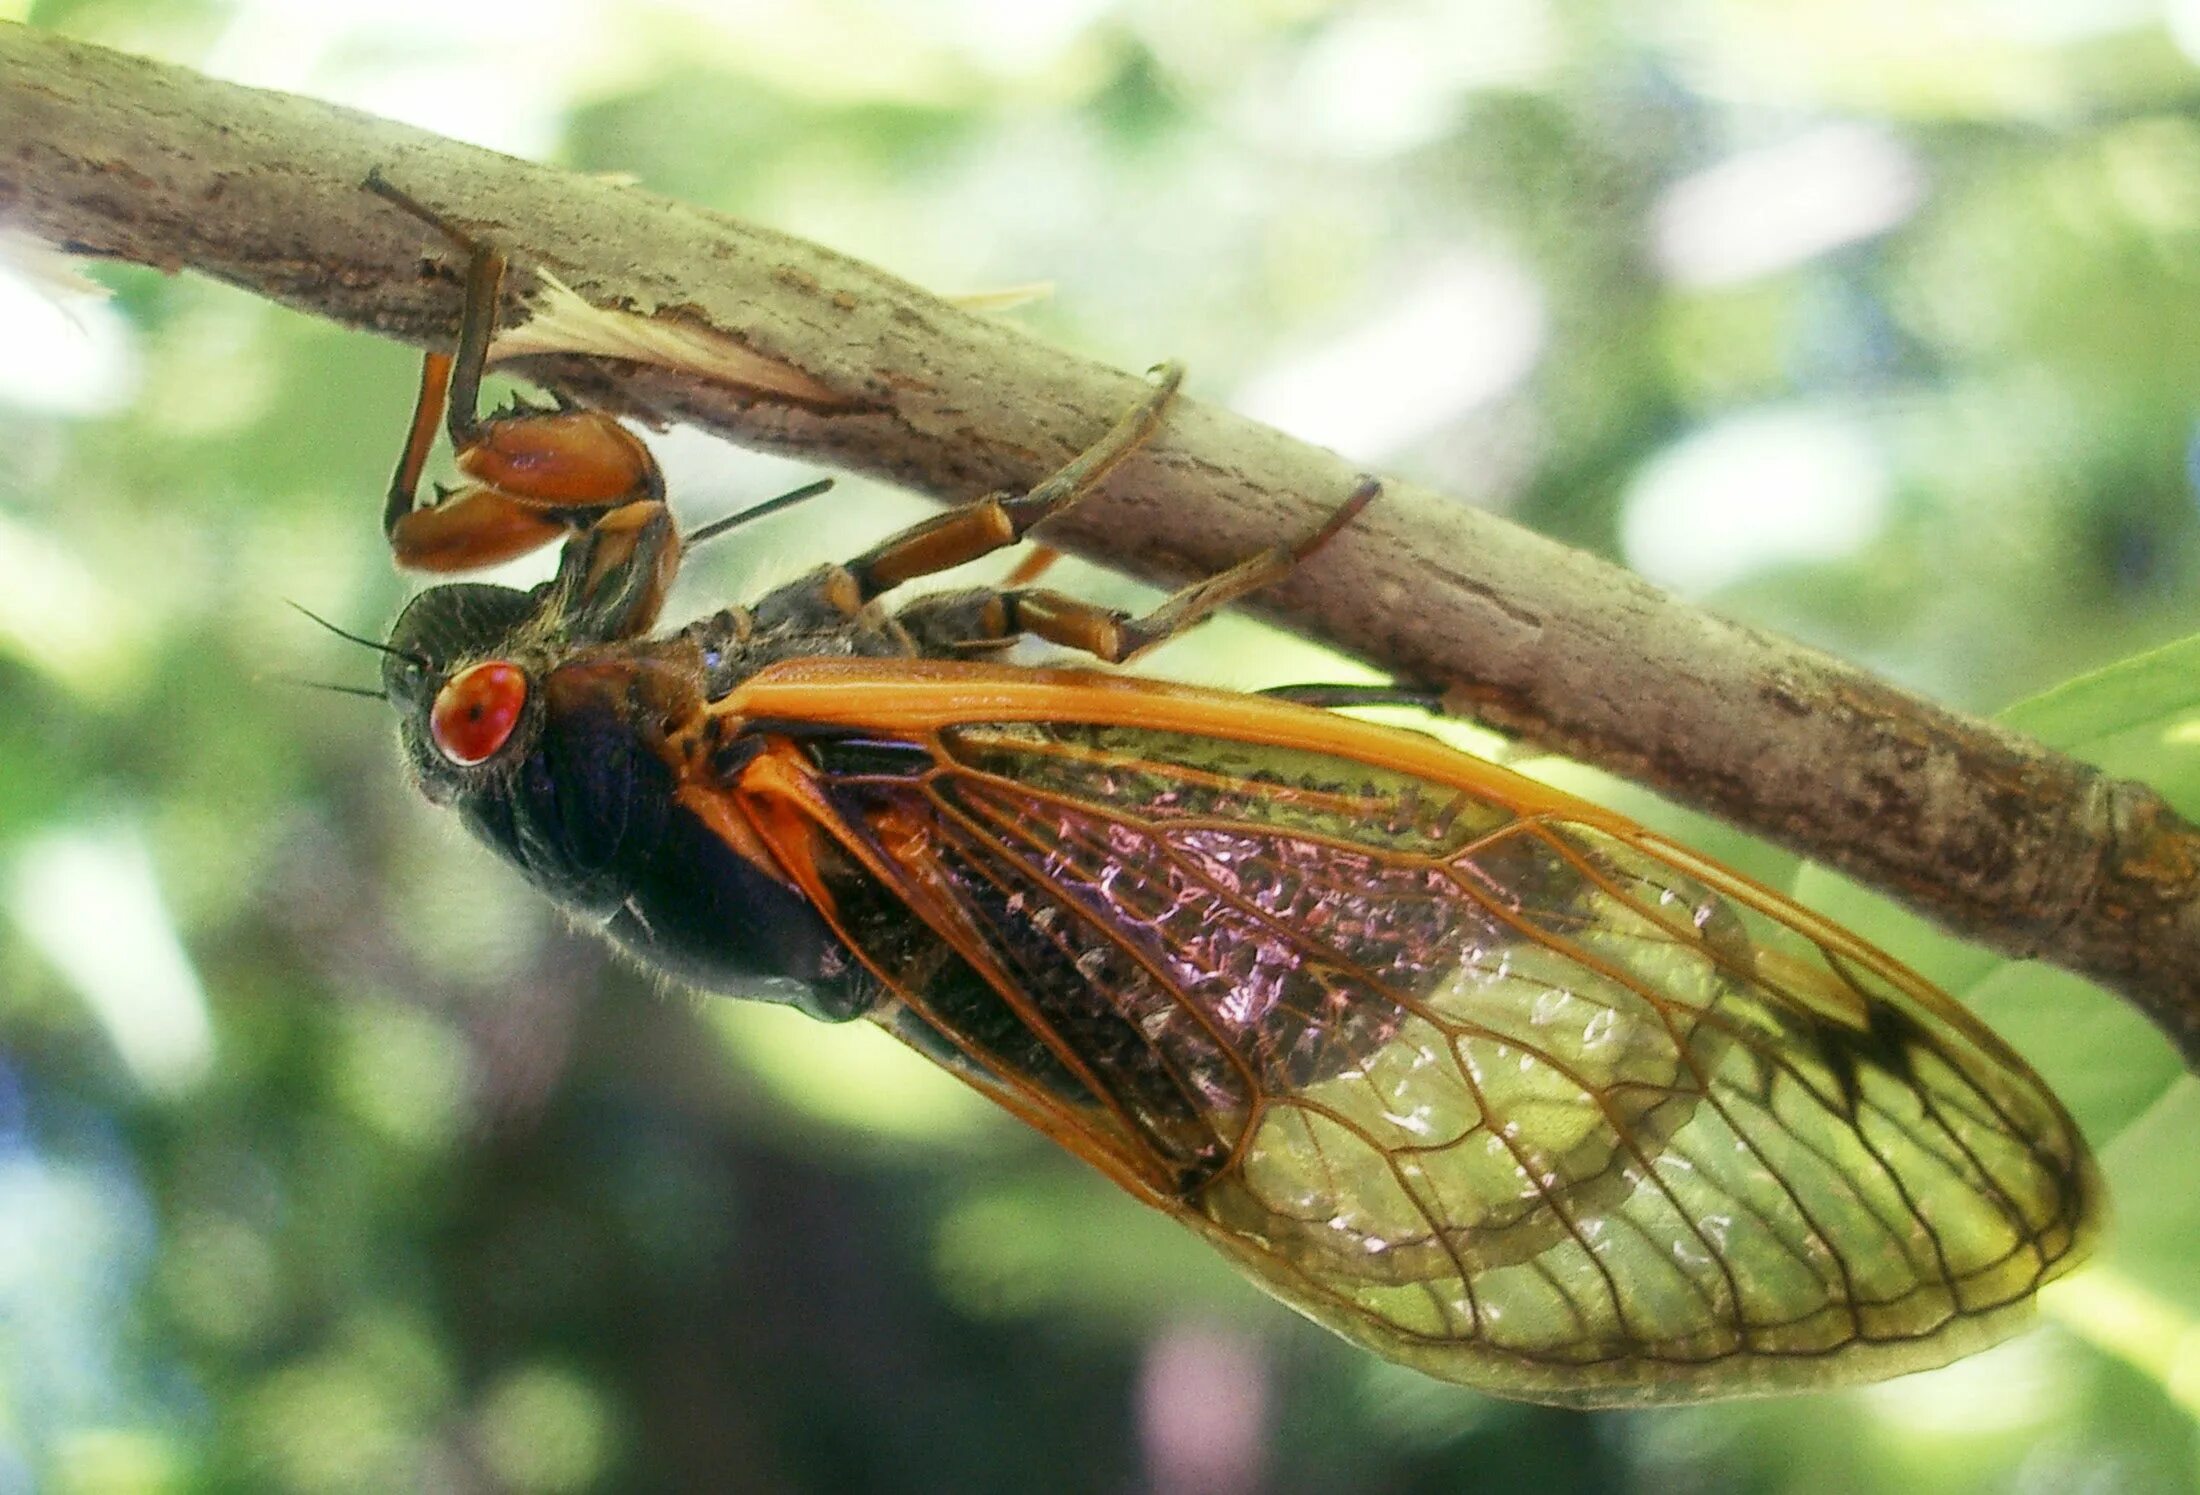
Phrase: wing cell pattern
(1515, 1097)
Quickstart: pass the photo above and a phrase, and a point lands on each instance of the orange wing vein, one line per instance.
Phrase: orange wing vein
(1484, 1078)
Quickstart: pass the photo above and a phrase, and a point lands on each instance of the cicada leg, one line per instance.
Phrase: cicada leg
(1033, 566)
(1000, 520)
(537, 475)
(963, 622)
(833, 593)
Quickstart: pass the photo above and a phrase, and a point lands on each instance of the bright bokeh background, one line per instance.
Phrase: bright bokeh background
(329, 1162)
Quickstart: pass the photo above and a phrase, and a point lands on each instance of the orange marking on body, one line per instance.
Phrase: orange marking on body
(734, 829)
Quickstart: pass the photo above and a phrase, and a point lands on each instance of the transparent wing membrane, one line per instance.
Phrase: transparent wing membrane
(1526, 1100)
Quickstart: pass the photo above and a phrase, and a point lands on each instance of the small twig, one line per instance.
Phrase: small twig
(1995, 836)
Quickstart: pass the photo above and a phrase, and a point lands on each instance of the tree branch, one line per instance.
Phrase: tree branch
(1995, 836)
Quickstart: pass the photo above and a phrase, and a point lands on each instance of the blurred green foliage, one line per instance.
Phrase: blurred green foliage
(330, 1162)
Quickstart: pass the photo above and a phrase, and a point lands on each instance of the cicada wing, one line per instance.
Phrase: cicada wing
(1523, 1098)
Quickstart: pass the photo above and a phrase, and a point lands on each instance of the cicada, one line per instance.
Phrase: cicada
(1485, 1078)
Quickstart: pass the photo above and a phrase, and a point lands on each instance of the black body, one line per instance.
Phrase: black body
(583, 804)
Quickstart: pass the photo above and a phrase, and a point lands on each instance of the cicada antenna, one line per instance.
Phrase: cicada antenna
(342, 690)
(420, 660)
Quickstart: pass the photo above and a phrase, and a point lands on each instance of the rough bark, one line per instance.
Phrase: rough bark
(1995, 836)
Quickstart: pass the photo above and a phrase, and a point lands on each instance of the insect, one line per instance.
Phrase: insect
(1490, 1080)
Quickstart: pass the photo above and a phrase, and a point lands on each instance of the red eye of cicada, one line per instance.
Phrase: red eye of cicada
(475, 711)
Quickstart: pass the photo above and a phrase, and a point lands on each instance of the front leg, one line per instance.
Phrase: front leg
(538, 475)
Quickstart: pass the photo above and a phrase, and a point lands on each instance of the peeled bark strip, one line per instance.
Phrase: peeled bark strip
(2005, 842)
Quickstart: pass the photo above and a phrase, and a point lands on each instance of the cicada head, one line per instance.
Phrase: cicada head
(556, 757)
(549, 754)
(464, 703)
